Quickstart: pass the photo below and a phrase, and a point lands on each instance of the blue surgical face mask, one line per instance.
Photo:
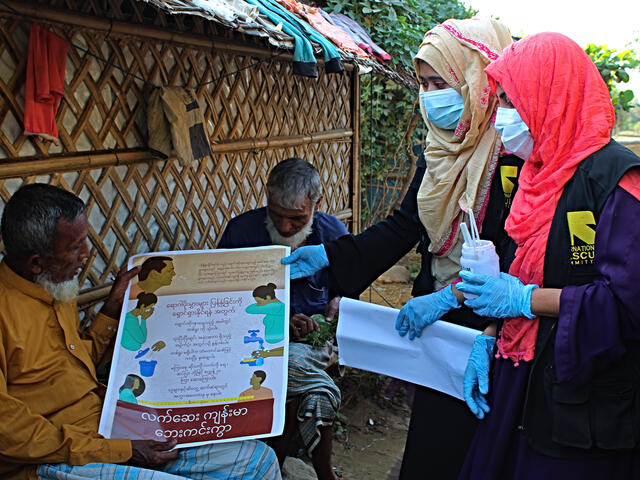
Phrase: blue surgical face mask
(514, 132)
(443, 107)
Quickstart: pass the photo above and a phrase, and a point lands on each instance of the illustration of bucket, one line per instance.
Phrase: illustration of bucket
(147, 367)
(253, 362)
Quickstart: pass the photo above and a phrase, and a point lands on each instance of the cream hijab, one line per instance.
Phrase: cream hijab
(460, 163)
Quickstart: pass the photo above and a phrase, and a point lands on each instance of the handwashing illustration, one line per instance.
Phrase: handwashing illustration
(186, 351)
(253, 360)
(134, 335)
(135, 322)
(273, 310)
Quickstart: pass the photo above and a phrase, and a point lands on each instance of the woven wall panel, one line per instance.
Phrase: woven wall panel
(157, 204)
(103, 108)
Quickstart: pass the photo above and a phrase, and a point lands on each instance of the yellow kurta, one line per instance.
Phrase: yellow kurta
(50, 398)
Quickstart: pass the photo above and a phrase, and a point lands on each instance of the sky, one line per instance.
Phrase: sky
(612, 22)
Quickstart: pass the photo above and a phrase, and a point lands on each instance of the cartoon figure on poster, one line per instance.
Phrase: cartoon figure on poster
(134, 333)
(155, 272)
(273, 310)
(135, 322)
(131, 389)
(185, 339)
(257, 391)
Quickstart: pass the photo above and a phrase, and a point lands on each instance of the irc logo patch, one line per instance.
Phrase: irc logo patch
(508, 175)
(582, 232)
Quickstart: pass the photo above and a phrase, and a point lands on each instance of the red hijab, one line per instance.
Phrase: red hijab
(560, 95)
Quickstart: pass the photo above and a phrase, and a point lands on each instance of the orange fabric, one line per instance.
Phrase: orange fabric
(46, 62)
(50, 398)
(562, 98)
(318, 22)
(631, 182)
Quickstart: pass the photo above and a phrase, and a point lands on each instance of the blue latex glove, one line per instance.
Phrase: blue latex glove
(500, 297)
(419, 312)
(305, 261)
(475, 383)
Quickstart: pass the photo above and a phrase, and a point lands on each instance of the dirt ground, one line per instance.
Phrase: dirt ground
(370, 435)
(369, 441)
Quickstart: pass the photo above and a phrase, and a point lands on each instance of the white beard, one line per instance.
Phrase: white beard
(62, 291)
(294, 241)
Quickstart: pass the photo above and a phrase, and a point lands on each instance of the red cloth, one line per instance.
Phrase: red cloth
(46, 63)
(560, 95)
(317, 21)
(631, 182)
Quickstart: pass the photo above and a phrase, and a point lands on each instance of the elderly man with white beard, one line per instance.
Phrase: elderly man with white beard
(50, 397)
(291, 218)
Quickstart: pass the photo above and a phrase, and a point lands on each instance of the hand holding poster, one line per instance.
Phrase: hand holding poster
(202, 347)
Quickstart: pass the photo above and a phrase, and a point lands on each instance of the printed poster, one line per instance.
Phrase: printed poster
(202, 347)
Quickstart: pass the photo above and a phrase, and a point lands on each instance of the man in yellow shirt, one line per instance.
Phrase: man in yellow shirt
(50, 398)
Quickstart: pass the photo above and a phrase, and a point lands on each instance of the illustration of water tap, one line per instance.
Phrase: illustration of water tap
(253, 337)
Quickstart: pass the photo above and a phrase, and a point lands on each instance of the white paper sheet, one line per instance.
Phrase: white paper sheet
(367, 339)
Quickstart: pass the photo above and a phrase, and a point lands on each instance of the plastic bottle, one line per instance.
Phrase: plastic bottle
(485, 258)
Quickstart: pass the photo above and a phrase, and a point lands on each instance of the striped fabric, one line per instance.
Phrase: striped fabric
(319, 395)
(246, 460)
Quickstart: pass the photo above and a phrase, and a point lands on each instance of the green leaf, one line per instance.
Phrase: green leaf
(622, 76)
(626, 96)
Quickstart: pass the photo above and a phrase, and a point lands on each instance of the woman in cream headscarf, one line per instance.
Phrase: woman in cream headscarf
(457, 171)
(462, 150)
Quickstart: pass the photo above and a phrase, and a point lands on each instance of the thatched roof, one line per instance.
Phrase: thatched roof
(250, 22)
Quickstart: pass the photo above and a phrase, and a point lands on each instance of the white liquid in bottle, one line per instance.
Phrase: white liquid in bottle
(485, 258)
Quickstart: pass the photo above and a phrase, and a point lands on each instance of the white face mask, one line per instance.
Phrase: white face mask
(514, 132)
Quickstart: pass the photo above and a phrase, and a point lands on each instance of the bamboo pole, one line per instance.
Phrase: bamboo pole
(65, 163)
(229, 146)
(93, 295)
(50, 15)
(343, 214)
(355, 153)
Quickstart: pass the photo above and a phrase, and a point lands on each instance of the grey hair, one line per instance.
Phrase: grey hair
(31, 216)
(291, 181)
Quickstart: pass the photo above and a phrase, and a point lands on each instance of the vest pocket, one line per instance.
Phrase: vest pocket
(603, 415)
(570, 416)
(614, 414)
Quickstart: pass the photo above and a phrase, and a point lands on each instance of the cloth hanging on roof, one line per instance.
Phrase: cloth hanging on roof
(46, 62)
(228, 10)
(304, 61)
(176, 124)
(334, 33)
(358, 34)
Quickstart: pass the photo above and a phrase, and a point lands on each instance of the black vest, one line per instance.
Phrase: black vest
(602, 416)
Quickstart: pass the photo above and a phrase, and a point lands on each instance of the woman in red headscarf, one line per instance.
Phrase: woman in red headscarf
(564, 400)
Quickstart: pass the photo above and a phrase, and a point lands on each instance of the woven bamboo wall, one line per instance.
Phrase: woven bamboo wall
(137, 203)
